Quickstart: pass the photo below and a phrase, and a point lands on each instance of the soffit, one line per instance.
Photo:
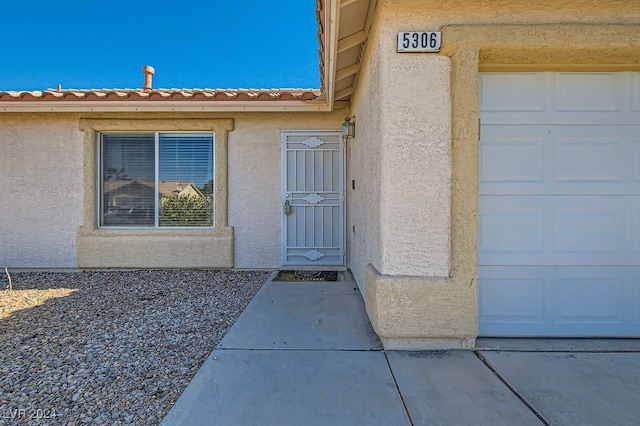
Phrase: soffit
(343, 31)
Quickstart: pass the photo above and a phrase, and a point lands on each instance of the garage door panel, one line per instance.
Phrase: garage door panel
(552, 230)
(595, 301)
(635, 160)
(589, 160)
(588, 227)
(514, 159)
(587, 92)
(525, 295)
(593, 159)
(635, 233)
(512, 92)
(588, 300)
(559, 205)
(560, 160)
(511, 228)
(634, 295)
(635, 91)
(561, 98)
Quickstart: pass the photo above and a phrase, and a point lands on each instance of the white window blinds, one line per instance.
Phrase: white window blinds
(185, 169)
(157, 179)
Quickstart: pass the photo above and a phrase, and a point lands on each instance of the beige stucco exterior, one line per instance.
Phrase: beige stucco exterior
(255, 175)
(412, 169)
(40, 194)
(429, 299)
(123, 248)
(55, 155)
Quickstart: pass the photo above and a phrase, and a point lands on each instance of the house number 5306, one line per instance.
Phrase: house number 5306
(419, 41)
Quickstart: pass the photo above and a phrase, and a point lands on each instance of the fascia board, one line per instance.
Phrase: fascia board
(164, 106)
(332, 21)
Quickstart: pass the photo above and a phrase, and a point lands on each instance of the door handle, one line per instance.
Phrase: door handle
(287, 207)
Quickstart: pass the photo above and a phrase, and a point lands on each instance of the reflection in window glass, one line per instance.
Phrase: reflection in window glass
(182, 191)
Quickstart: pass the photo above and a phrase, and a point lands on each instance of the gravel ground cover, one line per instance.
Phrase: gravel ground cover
(113, 348)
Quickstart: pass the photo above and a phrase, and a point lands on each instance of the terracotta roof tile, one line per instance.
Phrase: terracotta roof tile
(161, 95)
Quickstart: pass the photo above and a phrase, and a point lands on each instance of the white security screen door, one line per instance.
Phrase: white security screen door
(312, 202)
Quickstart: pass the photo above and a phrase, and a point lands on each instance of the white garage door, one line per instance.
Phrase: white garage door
(559, 205)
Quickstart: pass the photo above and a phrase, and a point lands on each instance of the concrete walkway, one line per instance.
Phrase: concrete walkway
(305, 354)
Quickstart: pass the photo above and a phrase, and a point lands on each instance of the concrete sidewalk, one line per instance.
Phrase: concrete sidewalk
(305, 353)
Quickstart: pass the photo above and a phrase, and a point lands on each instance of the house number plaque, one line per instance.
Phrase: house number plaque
(419, 41)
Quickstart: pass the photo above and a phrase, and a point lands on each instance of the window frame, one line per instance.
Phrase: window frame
(162, 247)
(156, 166)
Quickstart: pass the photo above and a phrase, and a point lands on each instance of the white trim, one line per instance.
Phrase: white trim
(283, 186)
(156, 182)
(156, 179)
(332, 23)
(164, 106)
(99, 182)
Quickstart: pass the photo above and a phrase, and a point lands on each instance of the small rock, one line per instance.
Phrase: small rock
(95, 368)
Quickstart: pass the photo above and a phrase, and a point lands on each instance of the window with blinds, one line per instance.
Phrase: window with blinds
(157, 180)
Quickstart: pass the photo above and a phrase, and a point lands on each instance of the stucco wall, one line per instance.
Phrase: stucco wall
(40, 190)
(45, 217)
(427, 15)
(406, 103)
(416, 168)
(401, 152)
(409, 305)
(255, 181)
(363, 167)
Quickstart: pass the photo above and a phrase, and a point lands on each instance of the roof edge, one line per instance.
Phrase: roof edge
(331, 21)
(164, 106)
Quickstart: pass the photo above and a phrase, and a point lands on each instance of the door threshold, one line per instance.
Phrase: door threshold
(307, 276)
(313, 268)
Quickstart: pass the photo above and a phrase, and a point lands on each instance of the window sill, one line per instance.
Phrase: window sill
(155, 248)
(150, 231)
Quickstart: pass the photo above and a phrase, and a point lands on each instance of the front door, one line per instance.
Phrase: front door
(312, 198)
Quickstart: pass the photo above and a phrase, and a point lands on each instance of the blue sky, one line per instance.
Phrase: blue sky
(85, 44)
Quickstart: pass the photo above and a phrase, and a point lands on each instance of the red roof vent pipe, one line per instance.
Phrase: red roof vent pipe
(148, 72)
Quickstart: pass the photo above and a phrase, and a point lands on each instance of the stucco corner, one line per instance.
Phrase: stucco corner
(411, 313)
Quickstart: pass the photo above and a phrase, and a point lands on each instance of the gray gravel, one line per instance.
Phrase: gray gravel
(120, 349)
